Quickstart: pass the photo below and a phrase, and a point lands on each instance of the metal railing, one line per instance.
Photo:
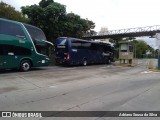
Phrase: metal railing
(134, 32)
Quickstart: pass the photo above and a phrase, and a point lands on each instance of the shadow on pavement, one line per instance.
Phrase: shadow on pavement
(6, 71)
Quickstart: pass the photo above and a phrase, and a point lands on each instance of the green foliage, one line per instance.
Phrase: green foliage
(9, 12)
(116, 46)
(141, 47)
(75, 26)
(45, 3)
(52, 18)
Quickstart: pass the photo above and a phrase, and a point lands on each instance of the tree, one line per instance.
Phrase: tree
(45, 3)
(52, 18)
(9, 12)
(141, 47)
(116, 41)
(48, 15)
(75, 26)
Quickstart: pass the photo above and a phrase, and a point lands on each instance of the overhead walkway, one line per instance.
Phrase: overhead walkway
(130, 32)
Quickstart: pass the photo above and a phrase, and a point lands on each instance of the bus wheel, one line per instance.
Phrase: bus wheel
(25, 65)
(108, 61)
(84, 62)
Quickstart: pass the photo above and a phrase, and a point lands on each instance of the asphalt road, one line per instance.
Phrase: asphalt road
(89, 88)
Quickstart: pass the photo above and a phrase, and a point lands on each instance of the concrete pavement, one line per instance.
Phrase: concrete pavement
(90, 88)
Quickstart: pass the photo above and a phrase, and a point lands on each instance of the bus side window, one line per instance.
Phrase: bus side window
(76, 44)
(94, 46)
(86, 45)
(101, 48)
(21, 51)
(8, 50)
(1, 50)
(108, 48)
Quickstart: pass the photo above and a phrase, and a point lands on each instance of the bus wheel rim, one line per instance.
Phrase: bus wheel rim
(109, 61)
(26, 66)
(85, 63)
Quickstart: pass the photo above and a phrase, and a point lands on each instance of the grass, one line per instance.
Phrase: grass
(154, 70)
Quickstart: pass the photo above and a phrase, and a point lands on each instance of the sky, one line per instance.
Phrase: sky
(113, 14)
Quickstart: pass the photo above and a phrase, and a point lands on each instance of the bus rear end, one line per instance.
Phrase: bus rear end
(61, 49)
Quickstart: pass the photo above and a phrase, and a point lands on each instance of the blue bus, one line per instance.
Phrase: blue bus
(74, 51)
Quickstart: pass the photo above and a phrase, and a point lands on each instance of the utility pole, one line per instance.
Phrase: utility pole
(158, 42)
(135, 51)
(159, 58)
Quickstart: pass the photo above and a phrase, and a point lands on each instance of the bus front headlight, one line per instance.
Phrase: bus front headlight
(43, 61)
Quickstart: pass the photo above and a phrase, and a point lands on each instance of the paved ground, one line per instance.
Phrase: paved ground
(90, 88)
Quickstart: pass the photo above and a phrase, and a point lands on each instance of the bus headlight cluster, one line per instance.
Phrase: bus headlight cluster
(43, 61)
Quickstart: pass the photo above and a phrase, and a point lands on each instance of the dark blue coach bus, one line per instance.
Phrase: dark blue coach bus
(74, 51)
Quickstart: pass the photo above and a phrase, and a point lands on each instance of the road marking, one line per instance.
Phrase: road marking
(52, 86)
(146, 72)
(106, 66)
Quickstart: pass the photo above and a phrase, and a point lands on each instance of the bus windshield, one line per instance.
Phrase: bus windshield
(38, 38)
(35, 33)
(61, 41)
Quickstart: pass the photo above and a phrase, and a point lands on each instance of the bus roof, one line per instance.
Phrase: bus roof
(17, 22)
(91, 41)
(31, 25)
(13, 21)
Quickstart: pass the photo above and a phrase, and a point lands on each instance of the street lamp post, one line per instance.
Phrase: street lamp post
(135, 50)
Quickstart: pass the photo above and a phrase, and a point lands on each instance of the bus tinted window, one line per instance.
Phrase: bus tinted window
(35, 33)
(21, 51)
(61, 41)
(42, 49)
(1, 51)
(38, 38)
(16, 50)
(100, 47)
(94, 46)
(7, 49)
(107, 48)
(86, 45)
(77, 44)
(10, 28)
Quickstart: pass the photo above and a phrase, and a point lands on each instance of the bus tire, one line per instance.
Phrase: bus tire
(84, 62)
(108, 61)
(25, 65)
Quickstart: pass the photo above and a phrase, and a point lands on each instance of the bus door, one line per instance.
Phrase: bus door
(2, 59)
